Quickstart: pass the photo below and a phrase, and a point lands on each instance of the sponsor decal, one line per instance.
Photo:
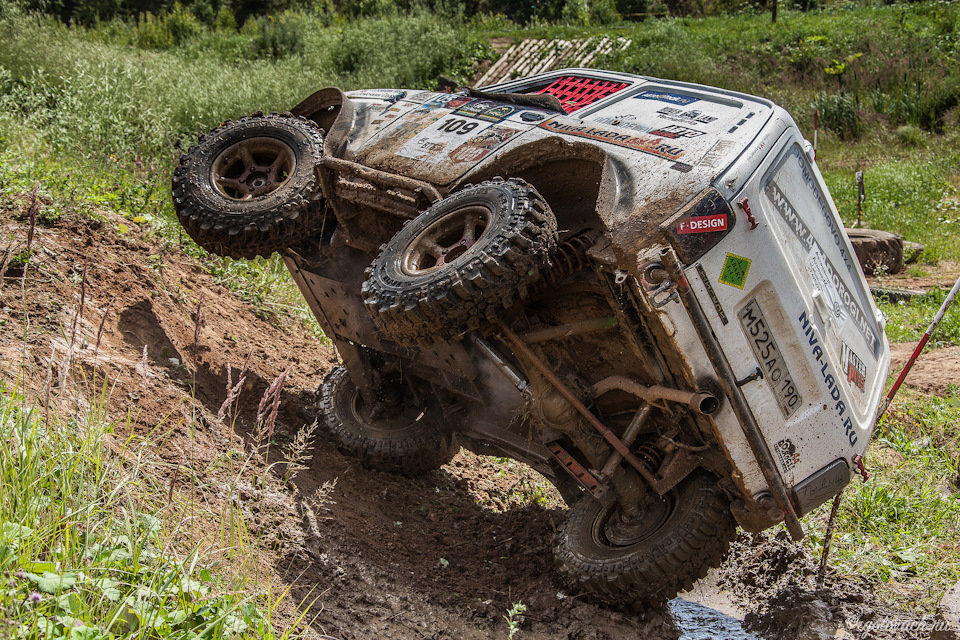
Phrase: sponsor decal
(676, 131)
(735, 270)
(653, 146)
(771, 359)
(434, 142)
(482, 145)
(447, 102)
(856, 370)
(787, 454)
(712, 294)
(715, 156)
(665, 96)
(703, 224)
(833, 387)
(822, 272)
(486, 110)
(390, 95)
(690, 115)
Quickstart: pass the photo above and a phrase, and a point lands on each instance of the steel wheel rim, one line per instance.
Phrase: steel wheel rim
(405, 419)
(446, 240)
(610, 529)
(252, 168)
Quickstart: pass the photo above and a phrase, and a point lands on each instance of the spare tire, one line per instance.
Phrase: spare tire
(878, 252)
(460, 262)
(248, 188)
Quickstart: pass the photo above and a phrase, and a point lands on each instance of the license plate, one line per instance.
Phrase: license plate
(768, 354)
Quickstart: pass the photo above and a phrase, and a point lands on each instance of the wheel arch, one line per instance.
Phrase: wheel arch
(581, 183)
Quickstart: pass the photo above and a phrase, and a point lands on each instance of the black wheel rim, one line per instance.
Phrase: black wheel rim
(406, 418)
(612, 528)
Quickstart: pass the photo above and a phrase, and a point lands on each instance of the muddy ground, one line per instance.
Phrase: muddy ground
(443, 556)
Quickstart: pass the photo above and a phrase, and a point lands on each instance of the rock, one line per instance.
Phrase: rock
(911, 251)
(948, 616)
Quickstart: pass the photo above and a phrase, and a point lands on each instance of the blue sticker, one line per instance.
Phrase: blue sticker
(663, 96)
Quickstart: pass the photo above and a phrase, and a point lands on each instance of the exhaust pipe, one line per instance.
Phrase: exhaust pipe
(705, 403)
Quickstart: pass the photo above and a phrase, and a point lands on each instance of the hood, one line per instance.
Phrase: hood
(434, 137)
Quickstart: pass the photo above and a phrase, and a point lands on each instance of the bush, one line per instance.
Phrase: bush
(275, 37)
(838, 113)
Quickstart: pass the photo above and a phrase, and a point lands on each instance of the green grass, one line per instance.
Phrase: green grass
(83, 553)
(901, 526)
(907, 320)
(98, 117)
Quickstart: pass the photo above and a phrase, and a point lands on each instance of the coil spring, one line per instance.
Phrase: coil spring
(571, 257)
(650, 455)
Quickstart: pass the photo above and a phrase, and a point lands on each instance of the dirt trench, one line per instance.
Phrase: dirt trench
(442, 556)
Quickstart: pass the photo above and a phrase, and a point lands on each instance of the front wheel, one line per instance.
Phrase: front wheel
(404, 438)
(461, 262)
(248, 188)
(651, 557)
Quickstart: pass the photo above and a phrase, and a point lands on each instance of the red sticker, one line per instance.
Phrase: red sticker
(703, 224)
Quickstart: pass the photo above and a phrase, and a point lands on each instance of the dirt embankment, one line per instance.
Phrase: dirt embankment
(442, 556)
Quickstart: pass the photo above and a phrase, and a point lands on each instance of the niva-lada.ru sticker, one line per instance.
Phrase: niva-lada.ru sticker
(771, 360)
(831, 383)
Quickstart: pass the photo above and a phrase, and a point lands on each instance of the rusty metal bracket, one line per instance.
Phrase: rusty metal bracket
(568, 395)
(580, 473)
(375, 176)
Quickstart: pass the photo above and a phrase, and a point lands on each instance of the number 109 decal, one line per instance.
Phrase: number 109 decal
(772, 364)
(458, 126)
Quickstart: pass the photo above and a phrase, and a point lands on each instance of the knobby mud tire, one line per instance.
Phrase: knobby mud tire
(263, 224)
(445, 302)
(409, 448)
(694, 538)
(878, 252)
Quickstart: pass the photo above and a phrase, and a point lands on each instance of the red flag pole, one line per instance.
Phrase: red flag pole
(923, 342)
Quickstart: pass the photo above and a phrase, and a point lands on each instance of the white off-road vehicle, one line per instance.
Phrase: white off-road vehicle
(641, 288)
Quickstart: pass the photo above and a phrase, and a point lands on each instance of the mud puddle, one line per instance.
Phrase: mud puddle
(695, 621)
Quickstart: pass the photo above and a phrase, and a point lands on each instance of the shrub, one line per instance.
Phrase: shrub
(911, 135)
(838, 113)
(275, 36)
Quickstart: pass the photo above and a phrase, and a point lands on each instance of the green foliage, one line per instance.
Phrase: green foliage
(913, 198)
(838, 113)
(902, 524)
(79, 560)
(906, 321)
(275, 36)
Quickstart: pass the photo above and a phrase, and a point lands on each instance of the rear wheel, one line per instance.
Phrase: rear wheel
(649, 558)
(397, 436)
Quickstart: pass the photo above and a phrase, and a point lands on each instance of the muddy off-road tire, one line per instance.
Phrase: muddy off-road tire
(460, 262)
(648, 561)
(878, 252)
(248, 188)
(411, 442)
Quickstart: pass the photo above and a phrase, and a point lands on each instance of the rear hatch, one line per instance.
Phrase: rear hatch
(787, 299)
